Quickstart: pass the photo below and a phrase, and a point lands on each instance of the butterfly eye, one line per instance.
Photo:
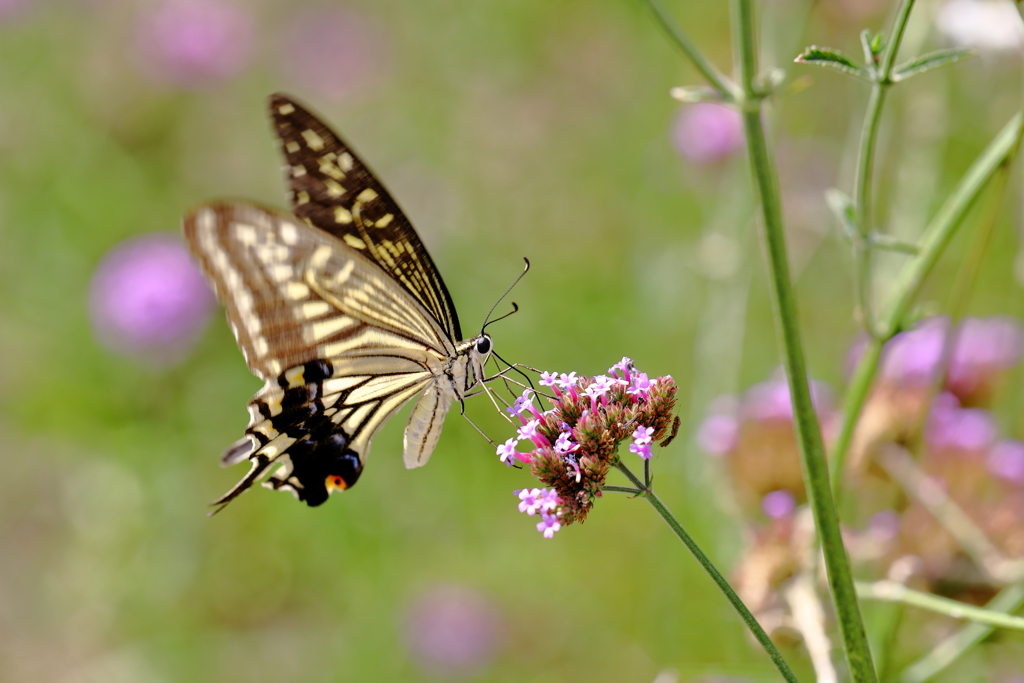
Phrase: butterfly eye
(483, 345)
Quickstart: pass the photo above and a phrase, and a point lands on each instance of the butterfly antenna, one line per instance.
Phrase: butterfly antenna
(486, 323)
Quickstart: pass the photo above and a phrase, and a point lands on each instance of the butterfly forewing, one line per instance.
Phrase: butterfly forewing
(340, 346)
(334, 191)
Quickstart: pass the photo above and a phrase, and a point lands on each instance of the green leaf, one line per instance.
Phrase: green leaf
(877, 44)
(929, 61)
(871, 45)
(832, 59)
(842, 207)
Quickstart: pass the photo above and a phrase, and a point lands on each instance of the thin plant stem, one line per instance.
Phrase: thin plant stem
(881, 81)
(718, 80)
(621, 489)
(808, 431)
(1010, 599)
(716, 576)
(893, 591)
(937, 236)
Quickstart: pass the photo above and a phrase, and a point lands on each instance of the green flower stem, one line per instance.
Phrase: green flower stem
(622, 489)
(949, 650)
(712, 571)
(937, 236)
(892, 591)
(882, 80)
(808, 431)
(719, 81)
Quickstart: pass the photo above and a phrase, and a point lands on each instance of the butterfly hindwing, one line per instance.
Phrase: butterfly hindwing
(339, 346)
(334, 191)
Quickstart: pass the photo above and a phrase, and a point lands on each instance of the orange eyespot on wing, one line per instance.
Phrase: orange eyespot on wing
(334, 483)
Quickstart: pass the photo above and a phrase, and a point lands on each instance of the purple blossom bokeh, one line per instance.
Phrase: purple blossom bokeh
(452, 632)
(194, 43)
(984, 347)
(951, 427)
(778, 504)
(1006, 460)
(706, 132)
(14, 9)
(148, 299)
(334, 52)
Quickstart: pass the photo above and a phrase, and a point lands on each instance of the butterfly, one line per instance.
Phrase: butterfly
(339, 309)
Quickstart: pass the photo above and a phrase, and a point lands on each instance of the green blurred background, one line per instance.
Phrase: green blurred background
(505, 129)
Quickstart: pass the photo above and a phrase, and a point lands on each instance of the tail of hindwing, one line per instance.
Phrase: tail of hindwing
(310, 429)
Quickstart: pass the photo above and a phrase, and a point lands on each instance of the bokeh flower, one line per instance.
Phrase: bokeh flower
(334, 52)
(706, 132)
(194, 43)
(754, 435)
(778, 504)
(452, 632)
(1006, 461)
(148, 299)
(984, 349)
(13, 9)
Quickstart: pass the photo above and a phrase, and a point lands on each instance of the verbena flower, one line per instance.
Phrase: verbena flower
(147, 299)
(576, 441)
(195, 42)
(508, 454)
(548, 524)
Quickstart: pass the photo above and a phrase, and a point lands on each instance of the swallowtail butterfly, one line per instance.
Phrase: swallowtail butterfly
(339, 308)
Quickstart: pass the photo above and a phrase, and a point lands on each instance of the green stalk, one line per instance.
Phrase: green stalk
(892, 591)
(949, 650)
(719, 81)
(937, 236)
(882, 80)
(808, 431)
(712, 571)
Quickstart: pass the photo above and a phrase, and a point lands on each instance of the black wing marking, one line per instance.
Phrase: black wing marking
(333, 190)
(312, 428)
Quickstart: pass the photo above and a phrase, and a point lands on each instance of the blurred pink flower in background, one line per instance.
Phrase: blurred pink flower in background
(13, 9)
(706, 132)
(778, 504)
(334, 52)
(951, 427)
(753, 434)
(1006, 460)
(985, 347)
(452, 632)
(148, 299)
(194, 42)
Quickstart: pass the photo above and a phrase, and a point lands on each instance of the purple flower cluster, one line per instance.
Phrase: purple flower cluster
(982, 349)
(753, 434)
(930, 403)
(148, 299)
(574, 443)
